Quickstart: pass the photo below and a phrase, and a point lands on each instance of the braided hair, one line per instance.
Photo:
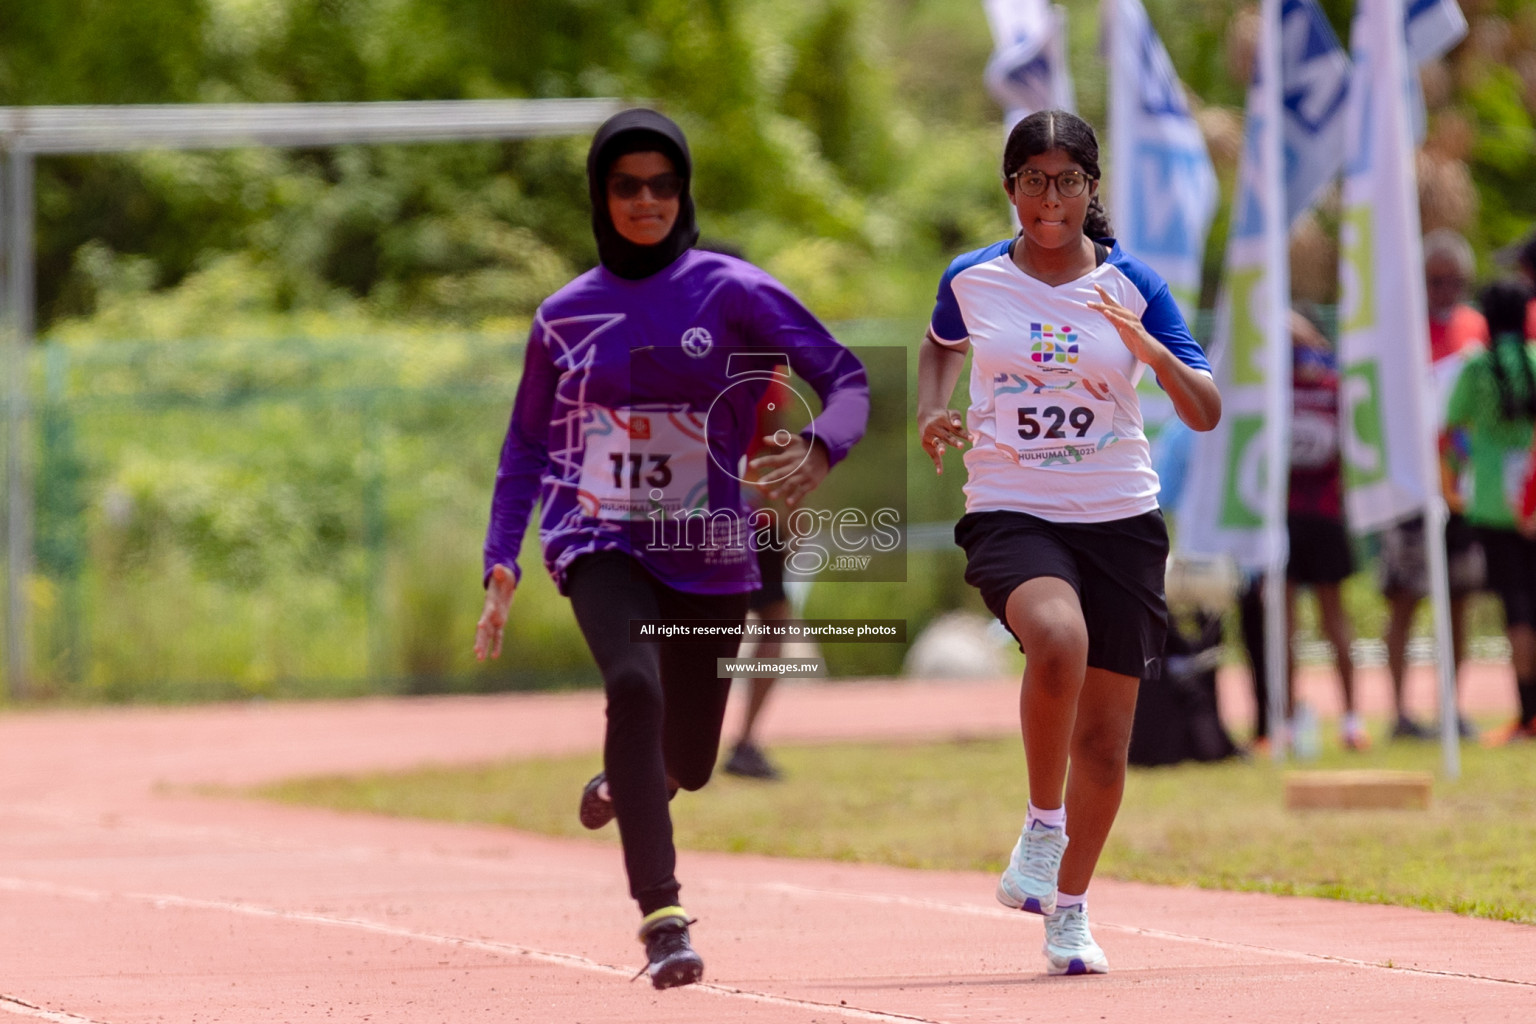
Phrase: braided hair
(1504, 304)
(1046, 130)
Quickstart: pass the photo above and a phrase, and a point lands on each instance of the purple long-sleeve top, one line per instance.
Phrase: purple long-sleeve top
(637, 406)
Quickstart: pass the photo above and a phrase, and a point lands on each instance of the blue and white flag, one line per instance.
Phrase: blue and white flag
(1233, 503)
(1316, 78)
(1315, 71)
(1028, 70)
(1235, 499)
(1434, 26)
(1163, 190)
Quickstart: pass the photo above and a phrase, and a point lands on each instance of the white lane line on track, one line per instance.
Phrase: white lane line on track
(22, 1008)
(246, 840)
(1152, 933)
(571, 960)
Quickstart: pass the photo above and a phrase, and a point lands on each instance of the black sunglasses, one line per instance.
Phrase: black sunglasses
(662, 186)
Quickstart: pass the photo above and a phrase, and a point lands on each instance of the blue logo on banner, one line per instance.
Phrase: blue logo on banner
(1164, 224)
(1316, 74)
(1161, 94)
(1249, 221)
(1315, 79)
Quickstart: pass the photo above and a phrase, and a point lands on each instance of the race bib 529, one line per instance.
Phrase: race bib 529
(1053, 427)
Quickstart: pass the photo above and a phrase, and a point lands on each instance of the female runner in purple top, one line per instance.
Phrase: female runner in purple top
(631, 424)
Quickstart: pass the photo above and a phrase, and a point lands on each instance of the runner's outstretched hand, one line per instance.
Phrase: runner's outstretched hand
(498, 598)
(1194, 394)
(1136, 338)
(792, 470)
(938, 429)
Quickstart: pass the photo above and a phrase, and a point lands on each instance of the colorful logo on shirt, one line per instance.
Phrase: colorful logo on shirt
(1051, 345)
(697, 341)
(639, 428)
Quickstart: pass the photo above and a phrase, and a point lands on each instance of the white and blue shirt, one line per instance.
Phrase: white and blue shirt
(1054, 421)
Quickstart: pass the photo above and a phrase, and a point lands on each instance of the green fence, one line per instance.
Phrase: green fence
(275, 516)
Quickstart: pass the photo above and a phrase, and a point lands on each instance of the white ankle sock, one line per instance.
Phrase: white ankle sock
(1056, 817)
(1065, 901)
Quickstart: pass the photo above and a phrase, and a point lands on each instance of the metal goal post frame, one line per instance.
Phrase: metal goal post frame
(29, 132)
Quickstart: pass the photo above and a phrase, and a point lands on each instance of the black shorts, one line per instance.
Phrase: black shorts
(770, 565)
(1116, 568)
(1320, 551)
(1511, 573)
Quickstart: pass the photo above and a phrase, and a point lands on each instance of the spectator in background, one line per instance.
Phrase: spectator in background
(1456, 332)
(1490, 417)
(1320, 554)
(769, 602)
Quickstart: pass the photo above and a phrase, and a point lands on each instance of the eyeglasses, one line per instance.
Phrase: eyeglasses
(662, 186)
(1069, 184)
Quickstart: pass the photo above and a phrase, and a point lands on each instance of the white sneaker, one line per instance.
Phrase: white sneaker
(1069, 947)
(1029, 881)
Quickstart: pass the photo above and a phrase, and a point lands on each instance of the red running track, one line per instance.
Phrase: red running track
(127, 895)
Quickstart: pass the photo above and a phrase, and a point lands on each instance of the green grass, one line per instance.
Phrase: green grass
(958, 804)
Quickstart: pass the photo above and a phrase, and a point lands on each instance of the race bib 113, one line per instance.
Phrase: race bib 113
(636, 460)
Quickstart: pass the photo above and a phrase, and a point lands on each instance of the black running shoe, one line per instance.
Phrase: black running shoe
(671, 961)
(1407, 729)
(749, 762)
(596, 808)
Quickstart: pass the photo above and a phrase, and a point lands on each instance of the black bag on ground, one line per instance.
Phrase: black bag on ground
(1176, 716)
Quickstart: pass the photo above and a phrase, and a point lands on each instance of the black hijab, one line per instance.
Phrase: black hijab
(639, 131)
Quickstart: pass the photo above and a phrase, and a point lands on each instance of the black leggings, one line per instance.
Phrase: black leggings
(665, 705)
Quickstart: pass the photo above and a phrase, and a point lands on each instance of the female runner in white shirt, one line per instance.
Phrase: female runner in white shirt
(1062, 532)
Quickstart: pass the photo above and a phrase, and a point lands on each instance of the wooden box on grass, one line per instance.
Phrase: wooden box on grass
(1357, 790)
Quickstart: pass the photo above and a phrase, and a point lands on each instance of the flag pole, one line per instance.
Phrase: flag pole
(1445, 654)
(1275, 307)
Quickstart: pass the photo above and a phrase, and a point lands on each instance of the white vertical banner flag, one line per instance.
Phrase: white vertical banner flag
(1388, 411)
(1234, 501)
(1387, 399)
(1163, 189)
(1028, 70)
